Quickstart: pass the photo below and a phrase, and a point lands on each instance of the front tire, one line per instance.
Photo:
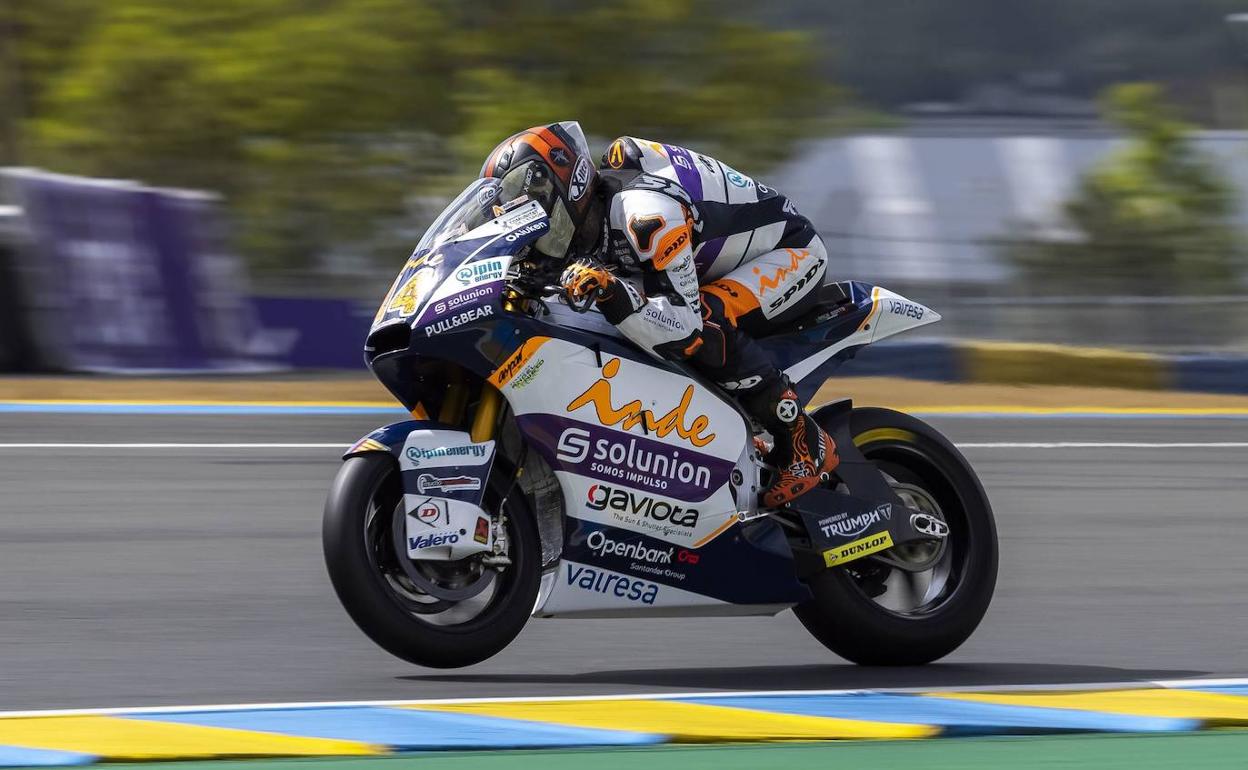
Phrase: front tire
(847, 614)
(359, 555)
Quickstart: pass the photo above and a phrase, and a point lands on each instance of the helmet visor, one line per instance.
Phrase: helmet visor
(531, 179)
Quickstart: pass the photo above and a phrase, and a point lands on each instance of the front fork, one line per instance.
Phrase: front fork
(490, 405)
(485, 420)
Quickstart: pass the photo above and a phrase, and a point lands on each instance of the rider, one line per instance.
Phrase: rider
(702, 257)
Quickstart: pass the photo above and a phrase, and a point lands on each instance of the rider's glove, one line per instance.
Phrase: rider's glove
(585, 277)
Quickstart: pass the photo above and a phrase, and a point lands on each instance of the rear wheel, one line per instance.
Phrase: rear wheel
(916, 603)
(442, 614)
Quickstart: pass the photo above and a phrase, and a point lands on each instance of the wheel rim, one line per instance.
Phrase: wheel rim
(444, 593)
(931, 575)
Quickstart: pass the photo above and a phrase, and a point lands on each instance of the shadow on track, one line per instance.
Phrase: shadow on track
(816, 677)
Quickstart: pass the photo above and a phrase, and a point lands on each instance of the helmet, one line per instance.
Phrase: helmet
(552, 165)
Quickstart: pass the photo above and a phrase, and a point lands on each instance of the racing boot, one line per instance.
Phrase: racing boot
(803, 451)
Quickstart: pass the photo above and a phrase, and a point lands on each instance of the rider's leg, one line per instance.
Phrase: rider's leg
(768, 291)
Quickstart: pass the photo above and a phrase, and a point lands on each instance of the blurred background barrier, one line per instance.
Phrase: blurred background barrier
(316, 332)
(17, 345)
(112, 276)
(1041, 364)
(1054, 173)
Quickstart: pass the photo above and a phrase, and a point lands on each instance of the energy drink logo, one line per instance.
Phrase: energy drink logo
(694, 430)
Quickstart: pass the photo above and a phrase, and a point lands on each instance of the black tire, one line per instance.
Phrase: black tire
(850, 623)
(369, 599)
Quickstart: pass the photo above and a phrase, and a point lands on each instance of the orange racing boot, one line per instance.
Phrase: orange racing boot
(804, 452)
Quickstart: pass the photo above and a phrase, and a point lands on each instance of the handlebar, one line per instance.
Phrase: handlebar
(580, 307)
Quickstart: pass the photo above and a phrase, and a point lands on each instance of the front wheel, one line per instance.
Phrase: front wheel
(874, 612)
(441, 614)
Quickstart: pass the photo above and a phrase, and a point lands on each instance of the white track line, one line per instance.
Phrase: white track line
(341, 446)
(1088, 686)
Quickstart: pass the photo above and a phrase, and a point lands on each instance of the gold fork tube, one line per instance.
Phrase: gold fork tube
(486, 418)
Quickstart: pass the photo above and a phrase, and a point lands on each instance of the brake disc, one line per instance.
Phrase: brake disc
(452, 581)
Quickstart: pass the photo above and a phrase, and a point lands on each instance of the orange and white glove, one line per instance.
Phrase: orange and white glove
(585, 277)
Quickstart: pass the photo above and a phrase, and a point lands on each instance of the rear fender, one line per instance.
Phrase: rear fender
(444, 475)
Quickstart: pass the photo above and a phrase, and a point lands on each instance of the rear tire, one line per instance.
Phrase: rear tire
(371, 483)
(845, 617)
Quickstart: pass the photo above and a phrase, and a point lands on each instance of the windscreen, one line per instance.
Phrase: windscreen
(471, 209)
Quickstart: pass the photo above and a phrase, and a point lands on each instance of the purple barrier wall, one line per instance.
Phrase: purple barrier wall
(315, 333)
(128, 278)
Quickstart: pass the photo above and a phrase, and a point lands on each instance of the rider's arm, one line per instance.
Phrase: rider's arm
(656, 232)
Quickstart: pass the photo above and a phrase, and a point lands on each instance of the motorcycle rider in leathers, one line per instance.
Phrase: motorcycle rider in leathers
(690, 260)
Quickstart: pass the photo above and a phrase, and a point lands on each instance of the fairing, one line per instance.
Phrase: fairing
(656, 466)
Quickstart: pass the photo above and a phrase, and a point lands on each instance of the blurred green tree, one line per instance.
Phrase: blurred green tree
(1154, 218)
(320, 120)
(676, 70)
(311, 118)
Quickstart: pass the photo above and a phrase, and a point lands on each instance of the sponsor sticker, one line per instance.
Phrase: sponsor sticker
(456, 300)
(580, 179)
(788, 280)
(657, 317)
(456, 321)
(635, 463)
(695, 430)
(503, 374)
(602, 545)
(609, 583)
(431, 512)
(432, 540)
(442, 456)
(664, 561)
(737, 178)
(844, 525)
(907, 309)
(428, 482)
(859, 548)
(536, 227)
(528, 375)
(615, 155)
(484, 271)
(670, 245)
(481, 533)
(640, 509)
(530, 212)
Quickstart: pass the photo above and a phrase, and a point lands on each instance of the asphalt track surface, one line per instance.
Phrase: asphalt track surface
(178, 576)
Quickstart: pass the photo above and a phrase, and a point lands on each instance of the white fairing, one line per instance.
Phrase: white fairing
(644, 449)
(444, 464)
(890, 314)
(595, 414)
(669, 480)
(581, 589)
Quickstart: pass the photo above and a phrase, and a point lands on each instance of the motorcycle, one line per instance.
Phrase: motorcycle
(553, 469)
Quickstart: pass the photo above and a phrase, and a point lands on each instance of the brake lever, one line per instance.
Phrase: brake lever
(584, 306)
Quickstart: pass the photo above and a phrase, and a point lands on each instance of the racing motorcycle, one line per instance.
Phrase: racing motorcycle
(552, 469)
